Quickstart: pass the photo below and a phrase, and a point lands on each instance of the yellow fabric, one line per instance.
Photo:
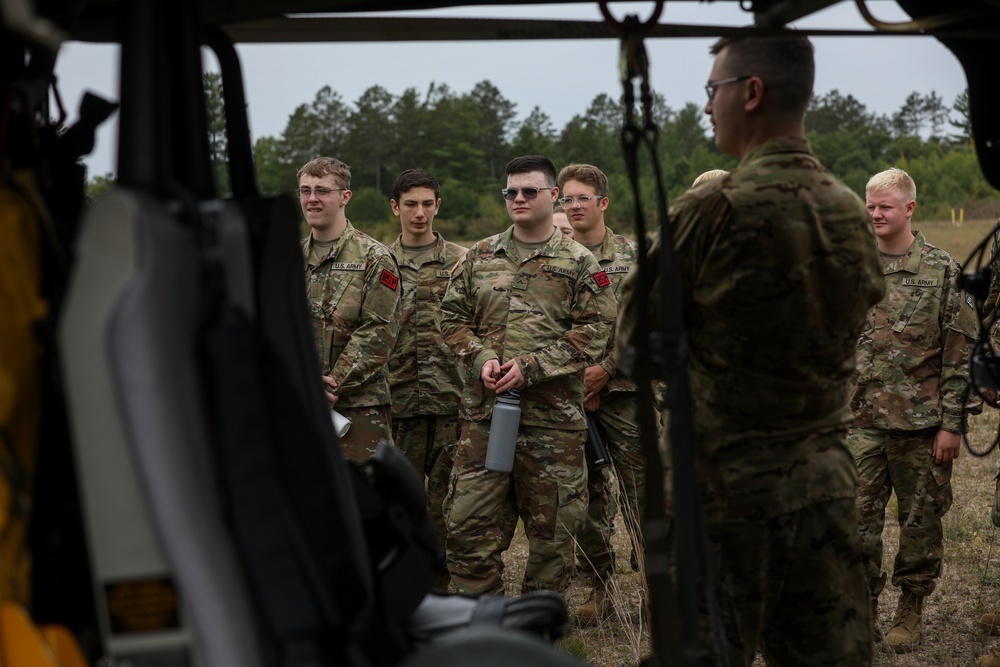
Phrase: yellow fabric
(22, 307)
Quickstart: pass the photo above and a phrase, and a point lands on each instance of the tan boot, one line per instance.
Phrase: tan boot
(905, 633)
(991, 660)
(596, 609)
(990, 623)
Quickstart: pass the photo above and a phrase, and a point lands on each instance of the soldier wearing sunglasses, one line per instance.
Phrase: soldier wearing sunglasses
(529, 310)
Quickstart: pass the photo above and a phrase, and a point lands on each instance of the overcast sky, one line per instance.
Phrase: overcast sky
(560, 77)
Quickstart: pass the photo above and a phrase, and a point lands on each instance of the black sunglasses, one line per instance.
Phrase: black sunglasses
(510, 194)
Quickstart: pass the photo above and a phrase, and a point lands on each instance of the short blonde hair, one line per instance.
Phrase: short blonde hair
(893, 179)
(709, 175)
(327, 166)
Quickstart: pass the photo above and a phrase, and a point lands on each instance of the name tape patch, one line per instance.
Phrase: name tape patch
(920, 282)
(348, 266)
(561, 270)
(389, 280)
(617, 269)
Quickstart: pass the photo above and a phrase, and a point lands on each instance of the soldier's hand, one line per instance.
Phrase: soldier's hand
(595, 378)
(511, 377)
(947, 446)
(490, 373)
(592, 402)
(331, 386)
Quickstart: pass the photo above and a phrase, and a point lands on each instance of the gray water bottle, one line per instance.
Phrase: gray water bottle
(503, 432)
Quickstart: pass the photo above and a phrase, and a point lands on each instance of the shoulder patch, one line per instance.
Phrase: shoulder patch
(561, 270)
(389, 280)
(602, 280)
(348, 266)
(920, 282)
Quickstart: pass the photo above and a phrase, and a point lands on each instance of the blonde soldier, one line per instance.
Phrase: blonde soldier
(610, 396)
(912, 373)
(526, 309)
(423, 377)
(353, 287)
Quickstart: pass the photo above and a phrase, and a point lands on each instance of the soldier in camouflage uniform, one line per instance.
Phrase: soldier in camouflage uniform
(610, 396)
(353, 287)
(907, 398)
(777, 266)
(526, 309)
(423, 377)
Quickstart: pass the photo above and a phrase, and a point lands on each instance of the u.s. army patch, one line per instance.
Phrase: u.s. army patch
(348, 266)
(920, 282)
(561, 270)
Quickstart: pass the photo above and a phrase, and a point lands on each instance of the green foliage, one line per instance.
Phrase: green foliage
(465, 139)
(100, 184)
(368, 206)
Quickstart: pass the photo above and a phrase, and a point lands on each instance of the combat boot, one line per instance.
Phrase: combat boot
(904, 636)
(990, 623)
(598, 608)
(991, 660)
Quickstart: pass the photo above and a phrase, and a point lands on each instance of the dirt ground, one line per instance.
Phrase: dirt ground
(968, 587)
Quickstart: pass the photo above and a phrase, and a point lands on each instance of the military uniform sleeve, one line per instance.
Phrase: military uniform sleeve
(371, 343)
(628, 308)
(593, 313)
(458, 319)
(960, 328)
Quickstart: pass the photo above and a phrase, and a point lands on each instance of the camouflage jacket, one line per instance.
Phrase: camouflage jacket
(354, 298)
(778, 267)
(551, 310)
(914, 352)
(616, 256)
(423, 376)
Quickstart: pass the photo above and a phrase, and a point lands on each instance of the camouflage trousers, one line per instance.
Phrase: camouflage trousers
(368, 425)
(617, 419)
(901, 461)
(430, 442)
(547, 489)
(792, 587)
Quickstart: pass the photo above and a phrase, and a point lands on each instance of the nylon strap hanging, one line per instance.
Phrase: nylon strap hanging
(674, 612)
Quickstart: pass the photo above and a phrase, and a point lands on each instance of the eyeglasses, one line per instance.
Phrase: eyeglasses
(712, 85)
(510, 194)
(582, 200)
(321, 193)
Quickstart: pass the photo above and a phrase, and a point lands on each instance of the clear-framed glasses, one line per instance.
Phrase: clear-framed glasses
(712, 85)
(582, 200)
(321, 193)
(510, 194)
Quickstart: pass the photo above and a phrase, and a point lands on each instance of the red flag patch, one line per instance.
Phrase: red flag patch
(602, 280)
(388, 279)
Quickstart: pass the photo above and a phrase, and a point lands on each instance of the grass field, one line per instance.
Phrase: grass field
(968, 587)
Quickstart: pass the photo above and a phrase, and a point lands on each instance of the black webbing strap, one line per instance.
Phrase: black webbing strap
(674, 612)
(289, 600)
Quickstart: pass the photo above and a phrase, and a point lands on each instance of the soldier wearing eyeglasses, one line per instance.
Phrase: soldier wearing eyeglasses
(778, 266)
(353, 287)
(610, 396)
(526, 309)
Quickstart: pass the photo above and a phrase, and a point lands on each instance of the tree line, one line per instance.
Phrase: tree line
(465, 139)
